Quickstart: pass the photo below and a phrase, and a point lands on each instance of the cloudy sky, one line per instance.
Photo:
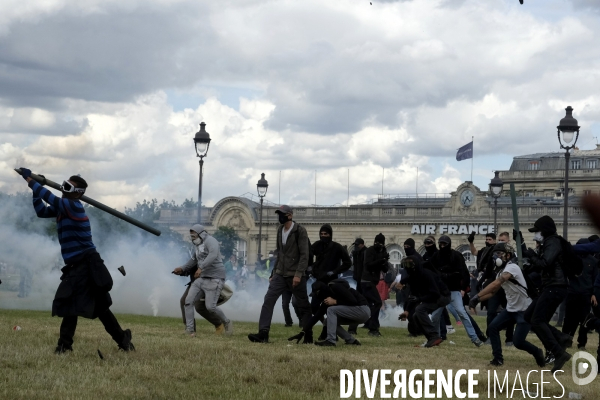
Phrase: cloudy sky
(115, 90)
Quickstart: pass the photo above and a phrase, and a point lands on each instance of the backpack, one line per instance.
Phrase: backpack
(572, 265)
(532, 290)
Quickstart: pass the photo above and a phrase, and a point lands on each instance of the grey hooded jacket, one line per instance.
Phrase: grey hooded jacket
(208, 259)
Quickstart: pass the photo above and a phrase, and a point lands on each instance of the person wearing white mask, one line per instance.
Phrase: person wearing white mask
(210, 278)
(511, 279)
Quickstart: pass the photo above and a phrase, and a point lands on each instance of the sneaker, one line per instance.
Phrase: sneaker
(219, 330)
(62, 349)
(364, 327)
(549, 358)
(229, 328)
(458, 322)
(539, 358)
(126, 344)
(325, 343)
(589, 321)
(508, 344)
(483, 338)
(488, 342)
(261, 337)
(308, 337)
(375, 333)
(354, 343)
(497, 362)
(450, 330)
(560, 361)
(433, 342)
(478, 343)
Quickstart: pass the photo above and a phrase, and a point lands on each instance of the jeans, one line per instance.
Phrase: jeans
(494, 303)
(520, 335)
(457, 303)
(452, 311)
(108, 319)
(539, 313)
(278, 285)
(369, 291)
(208, 289)
(342, 315)
(200, 307)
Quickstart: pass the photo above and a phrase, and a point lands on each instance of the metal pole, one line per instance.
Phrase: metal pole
(260, 230)
(519, 239)
(496, 215)
(566, 203)
(200, 192)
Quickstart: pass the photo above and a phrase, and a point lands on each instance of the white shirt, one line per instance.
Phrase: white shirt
(516, 295)
(285, 234)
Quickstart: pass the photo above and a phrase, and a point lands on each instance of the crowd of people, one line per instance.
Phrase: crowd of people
(520, 294)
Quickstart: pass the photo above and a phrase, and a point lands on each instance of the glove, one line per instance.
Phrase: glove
(329, 273)
(297, 337)
(529, 254)
(471, 237)
(515, 236)
(25, 173)
(474, 301)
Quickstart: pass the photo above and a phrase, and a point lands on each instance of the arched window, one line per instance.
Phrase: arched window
(396, 255)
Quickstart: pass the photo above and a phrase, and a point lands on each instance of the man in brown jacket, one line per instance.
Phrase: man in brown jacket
(292, 261)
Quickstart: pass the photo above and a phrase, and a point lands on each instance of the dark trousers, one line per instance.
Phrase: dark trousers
(201, 309)
(277, 287)
(577, 306)
(354, 327)
(286, 299)
(539, 313)
(520, 334)
(369, 291)
(108, 319)
(422, 320)
(494, 303)
(561, 313)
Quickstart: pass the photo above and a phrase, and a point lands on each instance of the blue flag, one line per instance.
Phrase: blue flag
(465, 152)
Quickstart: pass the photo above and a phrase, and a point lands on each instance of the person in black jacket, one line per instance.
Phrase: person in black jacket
(430, 293)
(342, 305)
(358, 260)
(376, 261)
(430, 248)
(580, 295)
(331, 259)
(548, 262)
(453, 270)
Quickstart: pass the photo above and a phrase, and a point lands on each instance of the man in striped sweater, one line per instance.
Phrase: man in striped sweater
(85, 281)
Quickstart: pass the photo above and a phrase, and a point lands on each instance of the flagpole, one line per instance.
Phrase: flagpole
(472, 156)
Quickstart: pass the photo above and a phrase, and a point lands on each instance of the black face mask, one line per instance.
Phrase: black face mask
(325, 239)
(283, 218)
(409, 251)
(378, 246)
(445, 251)
(430, 249)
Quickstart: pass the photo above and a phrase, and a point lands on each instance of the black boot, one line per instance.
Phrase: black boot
(308, 337)
(261, 337)
(126, 344)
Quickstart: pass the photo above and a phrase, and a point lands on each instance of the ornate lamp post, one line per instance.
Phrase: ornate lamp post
(201, 141)
(568, 128)
(261, 187)
(496, 186)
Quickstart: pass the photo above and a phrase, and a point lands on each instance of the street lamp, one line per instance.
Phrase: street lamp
(568, 128)
(201, 141)
(261, 187)
(496, 186)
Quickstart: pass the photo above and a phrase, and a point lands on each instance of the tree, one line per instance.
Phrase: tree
(228, 239)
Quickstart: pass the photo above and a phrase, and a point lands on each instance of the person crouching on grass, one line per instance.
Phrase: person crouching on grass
(342, 305)
(85, 282)
(210, 278)
(511, 279)
(431, 294)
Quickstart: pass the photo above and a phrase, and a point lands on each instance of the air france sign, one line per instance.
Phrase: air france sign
(451, 229)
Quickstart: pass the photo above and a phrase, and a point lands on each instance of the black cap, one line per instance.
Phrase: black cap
(284, 209)
(445, 239)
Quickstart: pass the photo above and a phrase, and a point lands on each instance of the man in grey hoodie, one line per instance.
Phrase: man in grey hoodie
(210, 278)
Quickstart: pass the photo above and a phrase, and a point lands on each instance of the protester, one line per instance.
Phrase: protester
(376, 262)
(85, 282)
(554, 290)
(292, 261)
(210, 278)
(511, 279)
(231, 268)
(431, 295)
(358, 260)
(454, 273)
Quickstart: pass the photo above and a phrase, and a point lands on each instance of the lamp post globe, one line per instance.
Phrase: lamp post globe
(261, 187)
(201, 144)
(569, 129)
(496, 186)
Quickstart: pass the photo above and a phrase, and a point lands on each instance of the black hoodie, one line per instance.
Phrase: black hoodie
(452, 268)
(425, 285)
(329, 257)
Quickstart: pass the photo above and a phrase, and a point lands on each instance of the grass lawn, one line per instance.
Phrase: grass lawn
(169, 364)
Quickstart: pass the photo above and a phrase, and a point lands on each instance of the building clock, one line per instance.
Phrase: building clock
(467, 198)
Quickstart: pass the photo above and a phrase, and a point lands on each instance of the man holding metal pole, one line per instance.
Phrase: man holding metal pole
(85, 282)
